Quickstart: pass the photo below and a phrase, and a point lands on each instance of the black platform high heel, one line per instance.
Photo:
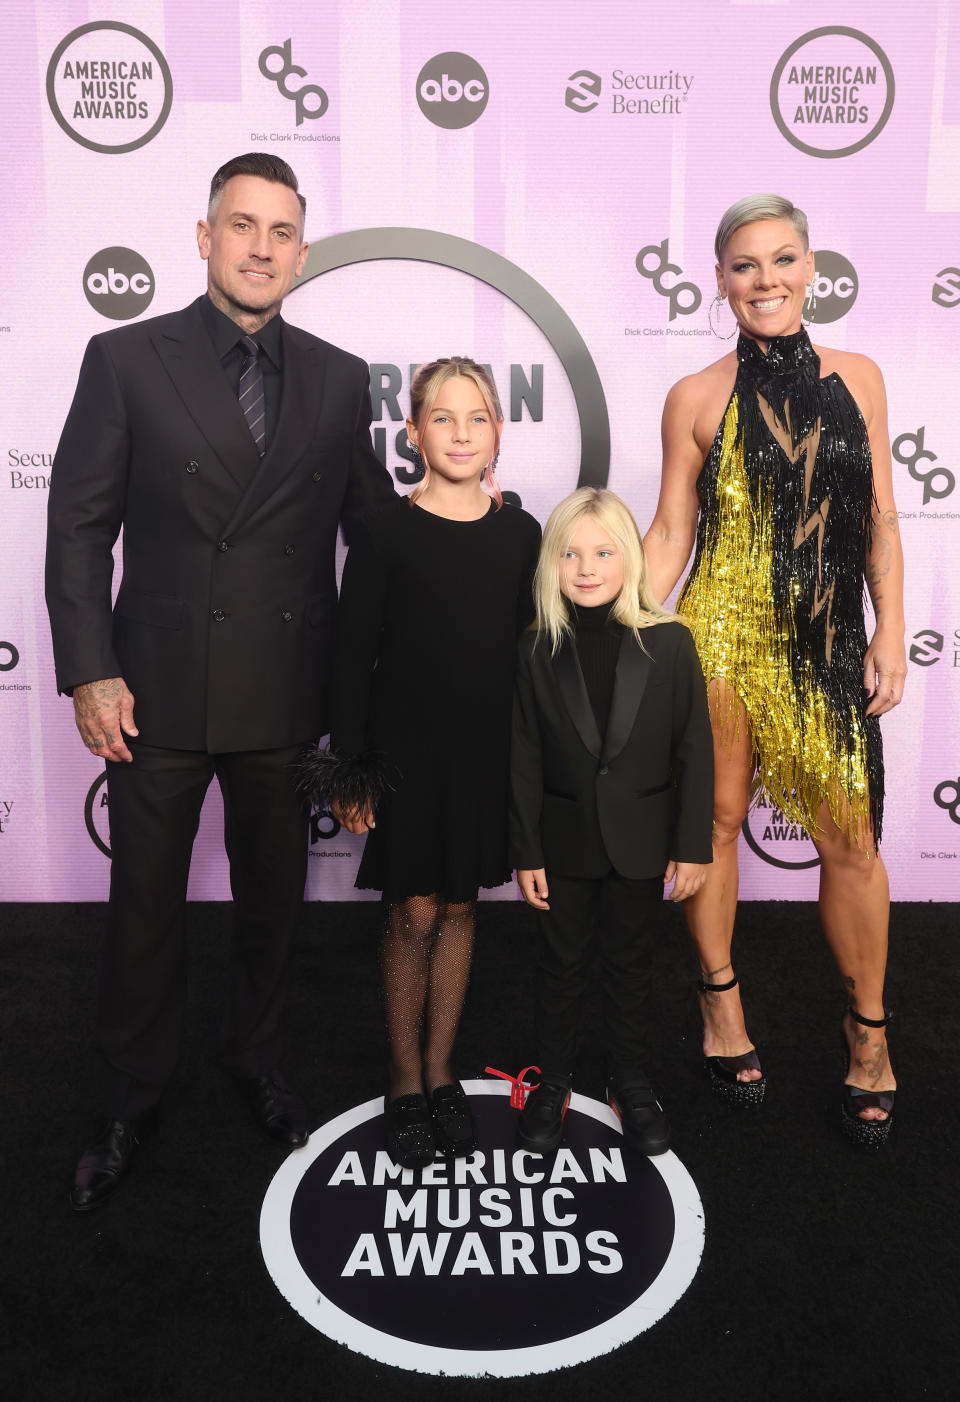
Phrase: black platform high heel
(748, 1095)
(871, 1134)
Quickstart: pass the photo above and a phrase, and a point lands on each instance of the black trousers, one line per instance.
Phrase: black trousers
(154, 806)
(611, 917)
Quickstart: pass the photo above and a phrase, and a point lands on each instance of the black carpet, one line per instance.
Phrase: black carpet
(827, 1272)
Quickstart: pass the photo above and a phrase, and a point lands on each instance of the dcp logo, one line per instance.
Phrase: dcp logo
(9, 657)
(452, 90)
(909, 450)
(118, 283)
(311, 101)
(684, 297)
(947, 795)
(583, 90)
(946, 289)
(926, 647)
(834, 288)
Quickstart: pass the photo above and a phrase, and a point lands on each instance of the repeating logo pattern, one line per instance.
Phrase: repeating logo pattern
(947, 796)
(118, 283)
(909, 449)
(832, 92)
(277, 65)
(834, 288)
(109, 87)
(452, 90)
(653, 262)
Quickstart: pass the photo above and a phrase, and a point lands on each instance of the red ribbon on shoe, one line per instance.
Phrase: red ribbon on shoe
(519, 1088)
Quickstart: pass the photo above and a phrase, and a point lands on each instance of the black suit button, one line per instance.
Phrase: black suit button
(286, 615)
(191, 466)
(604, 770)
(219, 615)
(222, 545)
(289, 549)
(317, 476)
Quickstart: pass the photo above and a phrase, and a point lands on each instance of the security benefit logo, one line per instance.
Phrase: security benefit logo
(109, 87)
(946, 288)
(832, 92)
(118, 283)
(452, 90)
(502, 1264)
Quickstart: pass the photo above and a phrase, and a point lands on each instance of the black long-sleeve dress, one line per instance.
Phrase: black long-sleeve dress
(427, 626)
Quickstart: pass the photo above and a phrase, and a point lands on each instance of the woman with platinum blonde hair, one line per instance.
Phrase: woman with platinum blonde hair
(611, 791)
(776, 467)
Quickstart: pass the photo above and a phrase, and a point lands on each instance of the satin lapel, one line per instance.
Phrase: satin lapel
(191, 362)
(630, 682)
(573, 689)
(304, 369)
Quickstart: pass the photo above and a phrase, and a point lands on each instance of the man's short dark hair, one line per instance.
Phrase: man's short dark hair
(264, 167)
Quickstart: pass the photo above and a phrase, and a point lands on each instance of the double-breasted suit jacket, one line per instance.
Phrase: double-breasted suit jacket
(223, 621)
(633, 799)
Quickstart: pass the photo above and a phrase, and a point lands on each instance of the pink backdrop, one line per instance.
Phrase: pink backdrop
(565, 140)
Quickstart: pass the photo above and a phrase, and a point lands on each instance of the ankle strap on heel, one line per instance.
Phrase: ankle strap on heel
(869, 1021)
(716, 987)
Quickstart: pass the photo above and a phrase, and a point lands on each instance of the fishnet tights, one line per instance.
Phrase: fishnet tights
(425, 957)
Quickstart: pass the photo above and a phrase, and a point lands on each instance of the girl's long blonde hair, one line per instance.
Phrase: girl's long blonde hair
(424, 389)
(634, 607)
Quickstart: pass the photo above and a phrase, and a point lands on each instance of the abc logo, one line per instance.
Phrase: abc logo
(834, 288)
(452, 90)
(118, 283)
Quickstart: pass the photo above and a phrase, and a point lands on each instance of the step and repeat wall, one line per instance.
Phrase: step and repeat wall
(536, 186)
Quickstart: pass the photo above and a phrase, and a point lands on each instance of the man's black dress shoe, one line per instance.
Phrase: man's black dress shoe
(541, 1119)
(278, 1108)
(103, 1165)
(645, 1126)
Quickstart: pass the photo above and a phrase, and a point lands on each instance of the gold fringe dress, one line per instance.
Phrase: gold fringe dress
(775, 596)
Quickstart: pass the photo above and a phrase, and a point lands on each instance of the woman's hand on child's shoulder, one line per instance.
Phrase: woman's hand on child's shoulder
(690, 877)
(533, 888)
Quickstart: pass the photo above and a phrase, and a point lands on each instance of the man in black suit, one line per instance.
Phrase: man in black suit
(229, 446)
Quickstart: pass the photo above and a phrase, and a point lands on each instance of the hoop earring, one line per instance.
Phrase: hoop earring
(713, 313)
(810, 307)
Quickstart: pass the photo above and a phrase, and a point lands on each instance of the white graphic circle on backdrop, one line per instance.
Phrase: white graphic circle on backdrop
(502, 1264)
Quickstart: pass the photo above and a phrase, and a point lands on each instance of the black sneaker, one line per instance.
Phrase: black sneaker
(645, 1126)
(541, 1119)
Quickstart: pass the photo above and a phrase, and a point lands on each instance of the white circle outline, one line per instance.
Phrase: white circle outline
(328, 1318)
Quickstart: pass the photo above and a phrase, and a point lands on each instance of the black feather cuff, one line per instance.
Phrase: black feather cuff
(353, 780)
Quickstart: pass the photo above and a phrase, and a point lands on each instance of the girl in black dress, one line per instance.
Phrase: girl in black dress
(436, 590)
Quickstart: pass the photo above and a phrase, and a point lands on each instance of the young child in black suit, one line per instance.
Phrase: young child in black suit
(611, 796)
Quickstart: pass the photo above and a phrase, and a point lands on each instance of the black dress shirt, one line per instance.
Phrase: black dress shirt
(226, 335)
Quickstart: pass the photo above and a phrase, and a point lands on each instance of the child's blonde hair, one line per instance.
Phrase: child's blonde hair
(634, 607)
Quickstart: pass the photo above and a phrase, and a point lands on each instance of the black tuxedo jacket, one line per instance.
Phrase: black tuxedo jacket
(222, 626)
(634, 799)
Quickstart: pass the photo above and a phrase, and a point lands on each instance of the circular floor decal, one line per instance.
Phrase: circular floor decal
(503, 1264)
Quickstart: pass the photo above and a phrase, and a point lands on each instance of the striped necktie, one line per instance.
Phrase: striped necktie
(251, 393)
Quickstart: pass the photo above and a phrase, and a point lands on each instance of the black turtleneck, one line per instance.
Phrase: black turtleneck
(598, 646)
